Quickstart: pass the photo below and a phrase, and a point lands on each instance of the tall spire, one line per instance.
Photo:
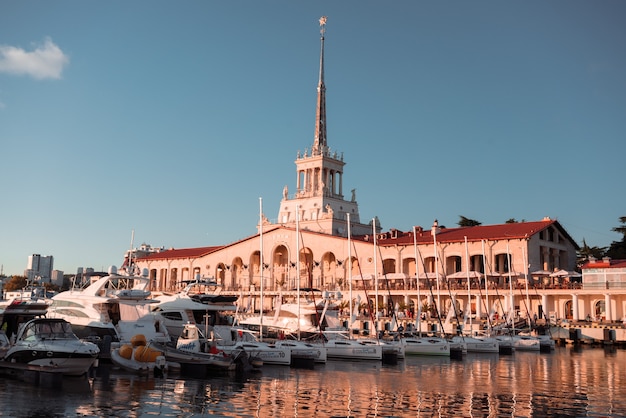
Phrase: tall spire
(319, 145)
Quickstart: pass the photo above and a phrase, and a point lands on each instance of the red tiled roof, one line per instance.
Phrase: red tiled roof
(517, 230)
(182, 253)
(601, 264)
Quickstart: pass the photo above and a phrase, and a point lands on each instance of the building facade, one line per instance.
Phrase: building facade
(319, 241)
(39, 267)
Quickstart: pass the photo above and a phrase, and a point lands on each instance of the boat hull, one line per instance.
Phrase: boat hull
(426, 347)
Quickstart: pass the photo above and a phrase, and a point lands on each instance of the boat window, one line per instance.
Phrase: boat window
(71, 312)
(174, 316)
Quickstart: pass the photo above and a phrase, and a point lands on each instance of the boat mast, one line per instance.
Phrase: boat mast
(482, 242)
(469, 294)
(435, 230)
(511, 306)
(261, 267)
(350, 269)
(417, 278)
(375, 274)
(298, 266)
(530, 324)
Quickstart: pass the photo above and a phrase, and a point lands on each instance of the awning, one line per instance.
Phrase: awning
(464, 275)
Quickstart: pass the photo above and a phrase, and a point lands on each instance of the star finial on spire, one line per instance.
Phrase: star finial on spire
(323, 24)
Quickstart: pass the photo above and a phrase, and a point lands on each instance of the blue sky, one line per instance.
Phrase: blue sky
(172, 118)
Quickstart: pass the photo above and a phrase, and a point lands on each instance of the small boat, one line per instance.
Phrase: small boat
(426, 346)
(479, 344)
(505, 344)
(4, 344)
(192, 348)
(136, 356)
(340, 346)
(303, 354)
(194, 304)
(51, 343)
(231, 339)
(546, 343)
(526, 343)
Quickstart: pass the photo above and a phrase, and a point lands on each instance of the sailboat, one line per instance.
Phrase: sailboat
(475, 343)
(518, 342)
(419, 345)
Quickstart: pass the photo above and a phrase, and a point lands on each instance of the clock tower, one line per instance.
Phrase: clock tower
(318, 200)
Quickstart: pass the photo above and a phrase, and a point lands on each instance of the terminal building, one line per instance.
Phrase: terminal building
(319, 241)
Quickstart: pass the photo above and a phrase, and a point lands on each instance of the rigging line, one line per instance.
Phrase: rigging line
(452, 301)
(310, 271)
(430, 288)
(358, 263)
(390, 306)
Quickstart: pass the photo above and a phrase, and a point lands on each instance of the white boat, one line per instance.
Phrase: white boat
(505, 344)
(51, 344)
(302, 351)
(231, 339)
(426, 346)
(526, 343)
(303, 317)
(546, 343)
(16, 310)
(478, 344)
(137, 356)
(193, 305)
(193, 349)
(5, 344)
(340, 346)
(94, 311)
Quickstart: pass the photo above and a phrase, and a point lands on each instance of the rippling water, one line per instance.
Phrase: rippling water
(568, 382)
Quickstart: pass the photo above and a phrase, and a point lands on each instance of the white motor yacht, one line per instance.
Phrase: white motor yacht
(51, 344)
(94, 311)
(193, 305)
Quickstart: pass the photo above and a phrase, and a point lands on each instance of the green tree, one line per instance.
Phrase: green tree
(463, 221)
(586, 252)
(15, 283)
(617, 249)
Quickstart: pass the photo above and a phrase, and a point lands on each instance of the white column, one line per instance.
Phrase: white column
(544, 305)
(478, 307)
(575, 315)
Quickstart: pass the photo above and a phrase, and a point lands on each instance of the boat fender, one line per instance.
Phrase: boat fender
(126, 351)
(146, 354)
(138, 340)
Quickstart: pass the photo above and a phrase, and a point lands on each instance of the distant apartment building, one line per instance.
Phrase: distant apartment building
(57, 277)
(39, 267)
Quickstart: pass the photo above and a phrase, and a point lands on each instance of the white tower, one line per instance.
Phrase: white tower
(319, 197)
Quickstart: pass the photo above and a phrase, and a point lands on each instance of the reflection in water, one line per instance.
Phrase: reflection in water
(568, 382)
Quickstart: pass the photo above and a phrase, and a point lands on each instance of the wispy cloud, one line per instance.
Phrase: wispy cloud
(45, 61)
